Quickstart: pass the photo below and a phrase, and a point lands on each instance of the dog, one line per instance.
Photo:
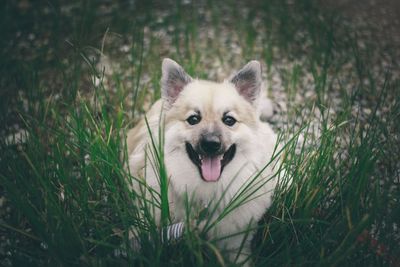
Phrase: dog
(217, 152)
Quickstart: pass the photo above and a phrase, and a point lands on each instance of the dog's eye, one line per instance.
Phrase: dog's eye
(228, 120)
(194, 119)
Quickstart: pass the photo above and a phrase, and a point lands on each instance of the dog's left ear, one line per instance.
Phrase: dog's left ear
(248, 81)
(173, 80)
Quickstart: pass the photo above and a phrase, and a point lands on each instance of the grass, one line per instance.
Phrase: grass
(64, 189)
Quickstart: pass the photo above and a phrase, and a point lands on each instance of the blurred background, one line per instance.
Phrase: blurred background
(331, 65)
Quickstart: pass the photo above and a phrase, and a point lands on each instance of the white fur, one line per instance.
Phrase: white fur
(255, 142)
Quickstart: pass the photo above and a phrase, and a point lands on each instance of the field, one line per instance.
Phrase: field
(76, 75)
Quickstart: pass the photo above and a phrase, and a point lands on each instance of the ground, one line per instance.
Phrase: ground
(77, 74)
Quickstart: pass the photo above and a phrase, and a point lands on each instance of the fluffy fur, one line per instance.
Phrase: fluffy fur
(253, 141)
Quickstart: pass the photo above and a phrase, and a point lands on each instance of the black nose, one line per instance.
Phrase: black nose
(210, 144)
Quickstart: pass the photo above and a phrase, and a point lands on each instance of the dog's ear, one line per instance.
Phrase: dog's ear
(248, 81)
(173, 80)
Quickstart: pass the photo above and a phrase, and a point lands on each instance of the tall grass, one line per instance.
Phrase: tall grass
(68, 192)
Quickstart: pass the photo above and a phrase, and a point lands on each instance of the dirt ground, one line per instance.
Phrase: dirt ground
(382, 16)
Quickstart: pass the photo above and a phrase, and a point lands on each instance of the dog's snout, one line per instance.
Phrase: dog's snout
(210, 144)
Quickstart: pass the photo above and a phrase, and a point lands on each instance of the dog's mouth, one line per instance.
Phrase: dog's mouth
(210, 166)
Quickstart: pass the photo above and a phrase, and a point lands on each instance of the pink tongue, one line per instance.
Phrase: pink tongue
(211, 168)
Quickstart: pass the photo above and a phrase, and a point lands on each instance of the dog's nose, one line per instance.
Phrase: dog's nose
(210, 144)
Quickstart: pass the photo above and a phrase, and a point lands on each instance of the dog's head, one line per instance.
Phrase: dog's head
(208, 122)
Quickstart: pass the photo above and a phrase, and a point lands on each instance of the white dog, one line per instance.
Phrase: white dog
(217, 152)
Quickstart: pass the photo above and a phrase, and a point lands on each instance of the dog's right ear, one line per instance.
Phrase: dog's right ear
(173, 80)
